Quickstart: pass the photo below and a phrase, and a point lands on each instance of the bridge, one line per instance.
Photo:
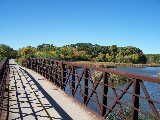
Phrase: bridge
(58, 90)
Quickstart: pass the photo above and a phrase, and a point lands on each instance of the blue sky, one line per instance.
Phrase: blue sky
(59, 22)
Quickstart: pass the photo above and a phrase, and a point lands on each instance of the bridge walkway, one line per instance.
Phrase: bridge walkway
(32, 97)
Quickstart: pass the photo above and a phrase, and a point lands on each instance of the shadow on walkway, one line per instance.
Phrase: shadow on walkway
(54, 104)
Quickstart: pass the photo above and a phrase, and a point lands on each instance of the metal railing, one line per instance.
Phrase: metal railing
(110, 93)
(4, 71)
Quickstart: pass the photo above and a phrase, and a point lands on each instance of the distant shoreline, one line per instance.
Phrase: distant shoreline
(112, 64)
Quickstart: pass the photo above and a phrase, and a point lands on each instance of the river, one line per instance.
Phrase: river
(152, 88)
(150, 71)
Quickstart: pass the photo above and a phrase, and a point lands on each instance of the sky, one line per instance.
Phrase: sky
(60, 22)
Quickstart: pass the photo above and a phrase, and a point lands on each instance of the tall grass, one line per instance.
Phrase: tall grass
(112, 64)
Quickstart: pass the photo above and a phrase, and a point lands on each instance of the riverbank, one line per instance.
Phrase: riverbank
(112, 64)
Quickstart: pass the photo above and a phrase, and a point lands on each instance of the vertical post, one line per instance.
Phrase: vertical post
(86, 85)
(52, 71)
(135, 99)
(44, 67)
(23, 63)
(73, 79)
(35, 60)
(36, 65)
(59, 74)
(30, 63)
(40, 62)
(63, 76)
(49, 70)
(33, 64)
(105, 91)
(41, 66)
(56, 72)
(1, 91)
(31, 60)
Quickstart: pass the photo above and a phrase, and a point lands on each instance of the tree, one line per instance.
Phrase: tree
(101, 58)
(87, 51)
(80, 55)
(92, 50)
(153, 58)
(27, 52)
(46, 47)
(6, 51)
(111, 56)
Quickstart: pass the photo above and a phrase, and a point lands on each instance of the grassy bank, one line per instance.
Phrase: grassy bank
(111, 64)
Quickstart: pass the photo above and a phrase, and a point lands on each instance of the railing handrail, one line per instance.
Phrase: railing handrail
(2, 62)
(108, 70)
(81, 82)
(4, 71)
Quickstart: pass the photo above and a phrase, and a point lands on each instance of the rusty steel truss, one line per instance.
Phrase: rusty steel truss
(105, 93)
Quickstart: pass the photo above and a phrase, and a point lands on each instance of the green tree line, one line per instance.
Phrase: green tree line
(7, 51)
(81, 52)
(85, 52)
(153, 58)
